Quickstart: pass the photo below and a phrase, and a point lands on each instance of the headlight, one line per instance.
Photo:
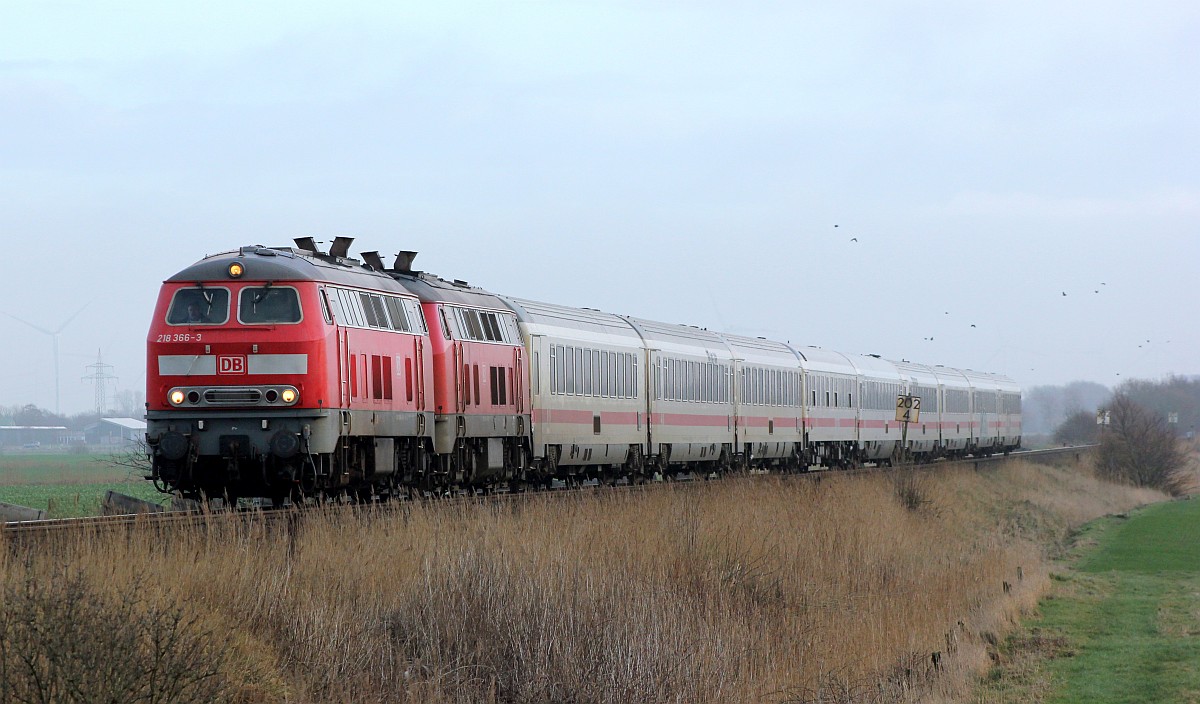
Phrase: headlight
(175, 397)
(236, 270)
(289, 395)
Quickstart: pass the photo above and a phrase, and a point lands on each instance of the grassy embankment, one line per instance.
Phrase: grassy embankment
(67, 485)
(733, 591)
(1122, 625)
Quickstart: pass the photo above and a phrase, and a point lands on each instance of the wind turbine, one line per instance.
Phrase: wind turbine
(53, 336)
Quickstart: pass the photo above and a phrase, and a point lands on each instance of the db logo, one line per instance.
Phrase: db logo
(231, 364)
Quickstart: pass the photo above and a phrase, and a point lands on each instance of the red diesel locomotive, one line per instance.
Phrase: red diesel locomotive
(271, 370)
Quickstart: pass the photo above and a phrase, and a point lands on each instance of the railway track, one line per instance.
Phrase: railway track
(16, 533)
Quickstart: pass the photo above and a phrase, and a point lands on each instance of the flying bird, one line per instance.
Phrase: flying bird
(853, 239)
(1064, 293)
(972, 324)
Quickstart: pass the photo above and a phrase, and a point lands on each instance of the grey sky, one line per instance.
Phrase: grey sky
(686, 162)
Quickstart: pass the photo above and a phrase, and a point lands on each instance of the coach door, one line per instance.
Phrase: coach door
(739, 388)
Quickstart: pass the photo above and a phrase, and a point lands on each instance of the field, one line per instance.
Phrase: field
(849, 589)
(67, 485)
(1122, 623)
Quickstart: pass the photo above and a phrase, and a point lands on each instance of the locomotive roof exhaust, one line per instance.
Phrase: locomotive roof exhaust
(341, 247)
(404, 262)
(308, 244)
(372, 259)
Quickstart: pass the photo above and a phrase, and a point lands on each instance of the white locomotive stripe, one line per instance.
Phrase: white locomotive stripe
(187, 365)
(206, 364)
(277, 364)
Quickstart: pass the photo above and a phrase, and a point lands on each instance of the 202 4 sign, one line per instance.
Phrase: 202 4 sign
(908, 409)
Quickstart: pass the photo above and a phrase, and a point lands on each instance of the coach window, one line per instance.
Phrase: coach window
(619, 380)
(580, 382)
(268, 304)
(570, 367)
(605, 374)
(587, 373)
(597, 373)
(199, 306)
(560, 369)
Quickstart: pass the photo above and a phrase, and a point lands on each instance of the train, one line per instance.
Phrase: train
(290, 372)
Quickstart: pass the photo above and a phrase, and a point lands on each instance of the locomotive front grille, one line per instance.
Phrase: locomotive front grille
(230, 396)
(233, 397)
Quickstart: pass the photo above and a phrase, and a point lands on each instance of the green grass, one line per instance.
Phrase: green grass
(1124, 626)
(68, 485)
(75, 500)
(61, 469)
(1165, 537)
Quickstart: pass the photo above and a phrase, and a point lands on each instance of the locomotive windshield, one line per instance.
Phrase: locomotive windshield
(199, 306)
(268, 304)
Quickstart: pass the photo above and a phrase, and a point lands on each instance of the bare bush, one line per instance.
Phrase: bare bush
(1138, 447)
(909, 486)
(64, 640)
(134, 455)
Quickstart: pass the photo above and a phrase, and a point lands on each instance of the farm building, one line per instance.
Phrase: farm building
(32, 436)
(115, 431)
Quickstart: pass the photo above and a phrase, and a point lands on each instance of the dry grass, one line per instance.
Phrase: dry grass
(790, 591)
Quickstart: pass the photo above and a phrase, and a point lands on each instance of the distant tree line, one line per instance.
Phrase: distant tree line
(32, 415)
